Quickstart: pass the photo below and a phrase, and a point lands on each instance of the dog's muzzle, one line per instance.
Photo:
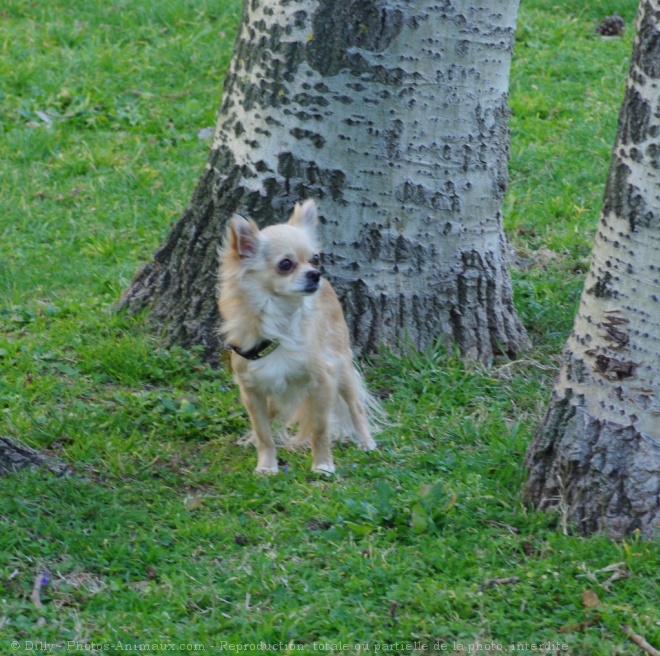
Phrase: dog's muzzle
(312, 281)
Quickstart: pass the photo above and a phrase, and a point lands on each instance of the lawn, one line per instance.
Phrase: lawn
(164, 535)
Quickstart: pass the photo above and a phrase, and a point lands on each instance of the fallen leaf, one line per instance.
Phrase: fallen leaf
(206, 134)
(192, 503)
(590, 599)
(44, 117)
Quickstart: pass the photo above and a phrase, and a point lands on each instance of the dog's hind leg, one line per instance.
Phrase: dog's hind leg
(352, 390)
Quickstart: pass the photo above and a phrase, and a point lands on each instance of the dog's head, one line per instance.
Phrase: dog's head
(282, 260)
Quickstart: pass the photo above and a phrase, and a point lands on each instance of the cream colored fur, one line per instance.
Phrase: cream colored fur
(310, 378)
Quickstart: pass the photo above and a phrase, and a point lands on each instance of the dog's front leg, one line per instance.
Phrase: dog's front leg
(257, 407)
(314, 422)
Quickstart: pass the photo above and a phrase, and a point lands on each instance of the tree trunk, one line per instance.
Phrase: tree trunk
(394, 117)
(14, 456)
(596, 456)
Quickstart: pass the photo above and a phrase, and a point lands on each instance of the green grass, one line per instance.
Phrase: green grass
(164, 534)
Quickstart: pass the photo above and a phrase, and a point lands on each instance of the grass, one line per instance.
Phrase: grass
(164, 534)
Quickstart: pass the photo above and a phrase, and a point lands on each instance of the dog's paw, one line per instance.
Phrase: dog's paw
(266, 468)
(368, 445)
(266, 461)
(324, 468)
(263, 471)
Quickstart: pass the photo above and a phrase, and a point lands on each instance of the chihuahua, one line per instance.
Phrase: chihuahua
(289, 341)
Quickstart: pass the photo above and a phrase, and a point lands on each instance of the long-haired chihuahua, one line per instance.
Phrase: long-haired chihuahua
(289, 341)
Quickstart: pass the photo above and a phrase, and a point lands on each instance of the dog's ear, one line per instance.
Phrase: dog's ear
(305, 216)
(243, 236)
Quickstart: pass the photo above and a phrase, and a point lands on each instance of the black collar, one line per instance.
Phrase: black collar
(261, 350)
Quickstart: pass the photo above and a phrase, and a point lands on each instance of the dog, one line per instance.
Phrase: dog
(288, 340)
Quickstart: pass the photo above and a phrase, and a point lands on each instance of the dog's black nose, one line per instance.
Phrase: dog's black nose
(313, 276)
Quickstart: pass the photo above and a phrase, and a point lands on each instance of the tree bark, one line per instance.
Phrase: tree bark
(596, 456)
(394, 117)
(14, 456)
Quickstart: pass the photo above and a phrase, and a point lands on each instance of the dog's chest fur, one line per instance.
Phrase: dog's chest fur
(277, 372)
(287, 370)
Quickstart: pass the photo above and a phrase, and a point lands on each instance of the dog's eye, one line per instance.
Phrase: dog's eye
(285, 265)
(315, 261)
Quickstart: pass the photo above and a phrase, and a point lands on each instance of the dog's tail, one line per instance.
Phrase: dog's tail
(342, 427)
